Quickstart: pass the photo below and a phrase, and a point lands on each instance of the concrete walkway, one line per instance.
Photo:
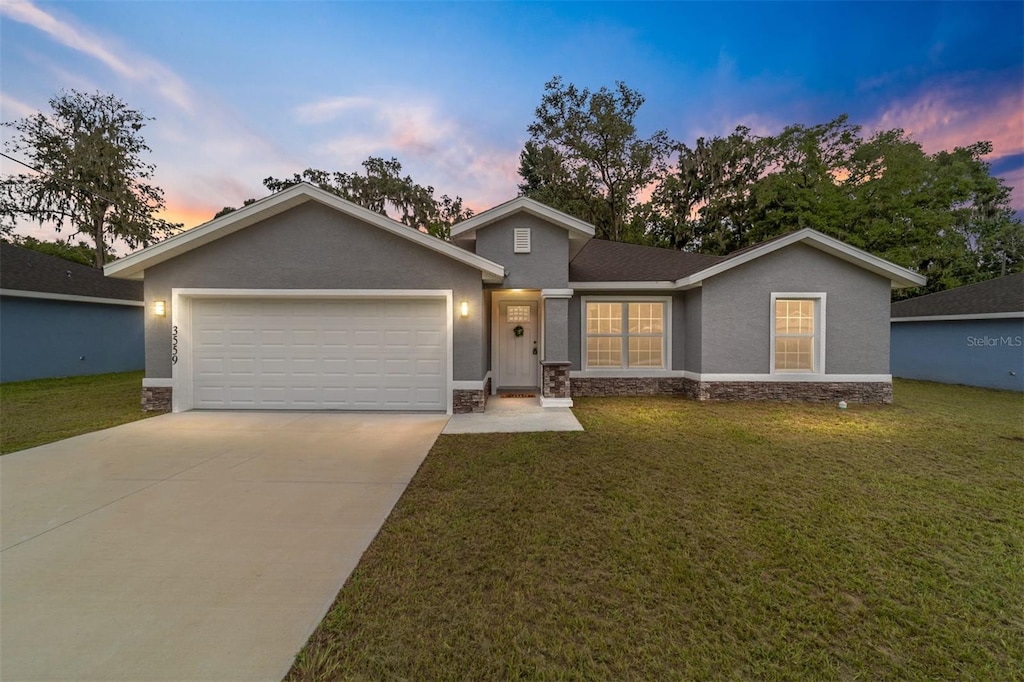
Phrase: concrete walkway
(194, 546)
(514, 415)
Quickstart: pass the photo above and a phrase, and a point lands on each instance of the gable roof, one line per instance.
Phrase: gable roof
(1003, 296)
(897, 275)
(134, 265)
(577, 228)
(25, 270)
(606, 261)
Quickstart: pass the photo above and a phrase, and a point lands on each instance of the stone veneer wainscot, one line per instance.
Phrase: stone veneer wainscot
(785, 391)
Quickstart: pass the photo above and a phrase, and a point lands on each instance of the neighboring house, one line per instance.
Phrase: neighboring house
(59, 318)
(305, 301)
(970, 335)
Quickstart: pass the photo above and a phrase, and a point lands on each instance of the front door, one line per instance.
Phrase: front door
(518, 354)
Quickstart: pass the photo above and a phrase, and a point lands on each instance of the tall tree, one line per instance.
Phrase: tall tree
(943, 215)
(384, 190)
(584, 156)
(89, 173)
(704, 203)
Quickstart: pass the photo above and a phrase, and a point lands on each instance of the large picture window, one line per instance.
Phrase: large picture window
(625, 334)
(796, 339)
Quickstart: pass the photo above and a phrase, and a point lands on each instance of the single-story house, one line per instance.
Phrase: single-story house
(971, 335)
(59, 318)
(303, 300)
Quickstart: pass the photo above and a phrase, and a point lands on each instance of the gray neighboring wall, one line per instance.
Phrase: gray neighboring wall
(44, 337)
(313, 246)
(547, 264)
(736, 312)
(978, 350)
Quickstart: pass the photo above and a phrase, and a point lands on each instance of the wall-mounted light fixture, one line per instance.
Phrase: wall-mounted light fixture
(159, 308)
(464, 308)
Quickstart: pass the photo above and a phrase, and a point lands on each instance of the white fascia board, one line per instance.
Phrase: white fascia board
(666, 285)
(970, 316)
(69, 297)
(899, 276)
(133, 266)
(573, 225)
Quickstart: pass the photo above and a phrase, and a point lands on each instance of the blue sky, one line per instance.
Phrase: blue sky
(244, 90)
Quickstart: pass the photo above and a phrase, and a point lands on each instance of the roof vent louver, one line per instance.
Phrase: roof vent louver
(521, 240)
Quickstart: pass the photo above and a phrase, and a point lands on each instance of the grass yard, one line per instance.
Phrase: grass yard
(42, 411)
(679, 540)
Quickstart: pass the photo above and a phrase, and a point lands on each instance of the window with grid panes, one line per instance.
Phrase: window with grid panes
(795, 331)
(625, 334)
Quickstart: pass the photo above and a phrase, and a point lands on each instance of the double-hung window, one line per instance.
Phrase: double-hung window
(625, 334)
(797, 333)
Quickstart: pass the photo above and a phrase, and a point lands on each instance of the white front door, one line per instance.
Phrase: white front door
(518, 352)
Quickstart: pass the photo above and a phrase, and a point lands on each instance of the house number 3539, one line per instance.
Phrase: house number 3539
(174, 345)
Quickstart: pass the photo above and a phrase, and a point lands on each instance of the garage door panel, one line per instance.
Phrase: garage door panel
(323, 354)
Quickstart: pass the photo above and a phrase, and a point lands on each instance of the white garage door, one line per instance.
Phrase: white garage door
(356, 354)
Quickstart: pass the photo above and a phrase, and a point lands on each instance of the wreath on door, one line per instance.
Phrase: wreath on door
(518, 330)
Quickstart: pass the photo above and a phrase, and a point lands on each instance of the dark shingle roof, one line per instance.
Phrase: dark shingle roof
(27, 270)
(1002, 295)
(605, 261)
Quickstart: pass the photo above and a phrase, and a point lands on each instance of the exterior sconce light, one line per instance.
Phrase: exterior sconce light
(159, 308)
(464, 308)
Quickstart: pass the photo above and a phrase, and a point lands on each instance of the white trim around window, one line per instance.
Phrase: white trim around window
(624, 369)
(817, 335)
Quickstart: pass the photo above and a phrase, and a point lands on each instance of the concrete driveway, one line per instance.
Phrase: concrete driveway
(193, 546)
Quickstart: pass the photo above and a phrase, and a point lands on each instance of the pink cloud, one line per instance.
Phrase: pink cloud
(950, 117)
(434, 147)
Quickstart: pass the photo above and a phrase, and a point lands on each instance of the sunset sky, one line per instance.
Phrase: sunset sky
(244, 90)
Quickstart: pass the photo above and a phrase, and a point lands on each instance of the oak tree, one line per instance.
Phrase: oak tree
(88, 173)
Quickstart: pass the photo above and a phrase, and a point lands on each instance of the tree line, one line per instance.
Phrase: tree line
(943, 215)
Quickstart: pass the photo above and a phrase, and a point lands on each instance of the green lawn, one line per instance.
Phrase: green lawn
(679, 540)
(42, 411)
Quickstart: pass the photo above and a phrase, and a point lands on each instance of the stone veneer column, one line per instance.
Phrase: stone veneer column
(156, 398)
(555, 388)
(555, 383)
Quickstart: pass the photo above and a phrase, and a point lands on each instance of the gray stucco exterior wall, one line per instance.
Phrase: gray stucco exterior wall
(556, 330)
(692, 322)
(547, 264)
(312, 246)
(988, 353)
(41, 338)
(736, 312)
